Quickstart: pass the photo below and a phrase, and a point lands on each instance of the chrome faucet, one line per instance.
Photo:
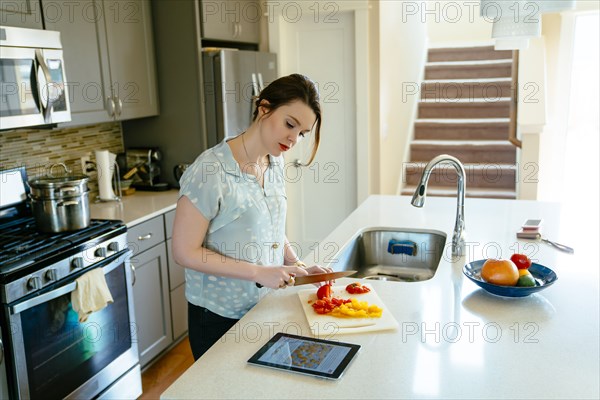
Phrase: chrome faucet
(458, 239)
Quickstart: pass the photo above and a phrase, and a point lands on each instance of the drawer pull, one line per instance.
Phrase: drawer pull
(145, 237)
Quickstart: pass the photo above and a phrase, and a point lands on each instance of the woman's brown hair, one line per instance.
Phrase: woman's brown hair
(291, 88)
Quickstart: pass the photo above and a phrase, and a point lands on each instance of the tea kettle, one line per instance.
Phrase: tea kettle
(178, 170)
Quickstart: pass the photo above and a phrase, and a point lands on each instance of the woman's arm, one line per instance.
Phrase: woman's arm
(189, 231)
(291, 258)
(289, 254)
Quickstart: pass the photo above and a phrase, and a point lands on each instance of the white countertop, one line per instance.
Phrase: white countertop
(543, 346)
(136, 208)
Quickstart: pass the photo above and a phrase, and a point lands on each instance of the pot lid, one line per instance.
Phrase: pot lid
(51, 181)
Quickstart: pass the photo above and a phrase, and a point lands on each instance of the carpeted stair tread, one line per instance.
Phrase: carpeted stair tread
(456, 53)
(462, 129)
(468, 63)
(464, 109)
(458, 121)
(489, 151)
(471, 70)
(468, 80)
(472, 89)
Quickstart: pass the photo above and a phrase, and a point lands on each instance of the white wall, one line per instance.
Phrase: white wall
(402, 52)
(558, 30)
(454, 22)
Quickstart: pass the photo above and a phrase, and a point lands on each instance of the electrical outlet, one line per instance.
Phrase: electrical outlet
(84, 161)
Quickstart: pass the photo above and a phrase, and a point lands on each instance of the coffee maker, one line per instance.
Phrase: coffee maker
(143, 165)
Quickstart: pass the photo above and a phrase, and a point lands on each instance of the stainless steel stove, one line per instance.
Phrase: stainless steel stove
(47, 352)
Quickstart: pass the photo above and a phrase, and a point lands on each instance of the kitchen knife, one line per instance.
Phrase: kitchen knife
(314, 278)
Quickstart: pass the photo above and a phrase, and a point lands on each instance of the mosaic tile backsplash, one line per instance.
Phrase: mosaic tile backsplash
(38, 149)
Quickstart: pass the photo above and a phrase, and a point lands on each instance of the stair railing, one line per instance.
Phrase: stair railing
(514, 103)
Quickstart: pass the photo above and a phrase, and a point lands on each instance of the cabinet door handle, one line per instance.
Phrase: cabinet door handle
(132, 273)
(119, 106)
(111, 106)
(145, 237)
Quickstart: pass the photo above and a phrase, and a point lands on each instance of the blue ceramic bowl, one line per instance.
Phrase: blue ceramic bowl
(543, 276)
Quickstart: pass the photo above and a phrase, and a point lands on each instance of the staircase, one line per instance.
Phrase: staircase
(465, 111)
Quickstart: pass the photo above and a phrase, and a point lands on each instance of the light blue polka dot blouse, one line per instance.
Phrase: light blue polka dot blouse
(247, 222)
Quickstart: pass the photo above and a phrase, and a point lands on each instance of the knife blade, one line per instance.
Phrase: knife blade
(328, 276)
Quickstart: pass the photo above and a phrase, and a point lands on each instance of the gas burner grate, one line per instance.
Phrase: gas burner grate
(23, 243)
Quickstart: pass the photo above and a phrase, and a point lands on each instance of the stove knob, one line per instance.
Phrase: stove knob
(34, 283)
(113, 246)
(77, 263)
(51, 275)
(100, 252)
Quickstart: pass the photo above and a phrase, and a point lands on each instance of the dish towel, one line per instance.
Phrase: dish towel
(91, 294)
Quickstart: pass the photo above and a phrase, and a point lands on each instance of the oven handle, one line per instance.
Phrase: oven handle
(19, 308)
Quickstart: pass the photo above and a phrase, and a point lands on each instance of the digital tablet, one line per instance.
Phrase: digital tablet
(306, 355)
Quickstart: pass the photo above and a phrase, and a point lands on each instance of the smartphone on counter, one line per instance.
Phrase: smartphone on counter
(531, 225)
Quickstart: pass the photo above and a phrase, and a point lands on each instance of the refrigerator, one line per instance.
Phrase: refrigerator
(232, 78)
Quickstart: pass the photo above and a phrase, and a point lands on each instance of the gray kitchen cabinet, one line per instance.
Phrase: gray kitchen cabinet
(130, 49)
(21, 13)
(85, 60)
(231, 20)
(176, 284)
(109, 58)
(151, 295)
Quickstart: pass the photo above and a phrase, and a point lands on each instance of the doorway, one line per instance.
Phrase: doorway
(322, 195)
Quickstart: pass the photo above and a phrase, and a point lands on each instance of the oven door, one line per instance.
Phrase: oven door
(55, 356)
(33, 88)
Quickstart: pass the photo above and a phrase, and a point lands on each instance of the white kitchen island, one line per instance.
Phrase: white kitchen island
(454, 339)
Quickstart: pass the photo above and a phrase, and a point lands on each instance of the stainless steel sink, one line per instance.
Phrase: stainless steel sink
(392, 254)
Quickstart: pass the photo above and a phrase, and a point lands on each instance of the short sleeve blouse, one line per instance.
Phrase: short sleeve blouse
(246, 222)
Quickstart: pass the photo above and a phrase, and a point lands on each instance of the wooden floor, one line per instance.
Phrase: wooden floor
(160, 375)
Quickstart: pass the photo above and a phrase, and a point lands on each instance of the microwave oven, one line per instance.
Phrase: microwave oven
(32, 78)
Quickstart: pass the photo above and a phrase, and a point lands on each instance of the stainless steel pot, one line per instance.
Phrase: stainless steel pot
(60, 203)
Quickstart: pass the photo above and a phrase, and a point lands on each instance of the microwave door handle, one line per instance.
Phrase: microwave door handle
(44, 99)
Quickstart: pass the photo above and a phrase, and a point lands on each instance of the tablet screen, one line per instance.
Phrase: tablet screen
(323, 358)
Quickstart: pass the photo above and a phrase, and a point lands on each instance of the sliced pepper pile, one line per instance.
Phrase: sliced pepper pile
(345, 308)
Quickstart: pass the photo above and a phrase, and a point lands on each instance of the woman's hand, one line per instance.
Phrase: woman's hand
(279, 277)
(317, 269)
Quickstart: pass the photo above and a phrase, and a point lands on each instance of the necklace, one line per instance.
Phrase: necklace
(259, 172)
(244, 144)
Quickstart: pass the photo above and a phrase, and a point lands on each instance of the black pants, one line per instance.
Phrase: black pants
(205, 328)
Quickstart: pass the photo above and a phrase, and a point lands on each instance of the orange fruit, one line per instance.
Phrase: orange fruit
(500, 272)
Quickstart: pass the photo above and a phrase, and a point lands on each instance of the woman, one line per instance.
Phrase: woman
(229, 229)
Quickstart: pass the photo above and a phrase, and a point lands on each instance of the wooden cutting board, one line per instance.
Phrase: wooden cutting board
(326, 325)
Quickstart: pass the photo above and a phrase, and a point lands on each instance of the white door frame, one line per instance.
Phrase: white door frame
(282, 12)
